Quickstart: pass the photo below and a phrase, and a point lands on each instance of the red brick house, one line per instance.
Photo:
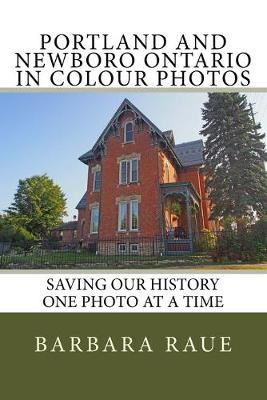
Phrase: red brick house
(141, 184)
(66, 232)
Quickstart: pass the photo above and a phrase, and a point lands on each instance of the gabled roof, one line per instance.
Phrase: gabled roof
(190, 153)
(126, 104)
(82, 202)
(71, 225)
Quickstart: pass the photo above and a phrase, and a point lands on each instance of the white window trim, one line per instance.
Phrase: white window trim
(123, 183)
(128, 122)
(119, 216)
(91, 222)
(119, 249)
(128, 179)
(99, 170)
(134, 251)
(131, 205)
(131, 180)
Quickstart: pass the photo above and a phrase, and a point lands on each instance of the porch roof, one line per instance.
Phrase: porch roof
(180, 188)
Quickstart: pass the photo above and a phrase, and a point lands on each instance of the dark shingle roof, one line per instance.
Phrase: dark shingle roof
(190, 153)
(71, 225)
(86, 157)
(82, 202)
(169, 135)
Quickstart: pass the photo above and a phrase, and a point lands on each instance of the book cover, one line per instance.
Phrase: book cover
(133, 200)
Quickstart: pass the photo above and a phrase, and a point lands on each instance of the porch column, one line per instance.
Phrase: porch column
(189, 219)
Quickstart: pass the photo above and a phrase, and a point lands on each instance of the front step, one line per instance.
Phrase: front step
(178, 247)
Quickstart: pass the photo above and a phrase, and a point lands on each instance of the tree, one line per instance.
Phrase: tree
(39, 205)
(10, 232)
(234, 158)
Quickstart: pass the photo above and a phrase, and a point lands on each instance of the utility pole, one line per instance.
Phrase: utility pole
(255, 129)
(252, 116)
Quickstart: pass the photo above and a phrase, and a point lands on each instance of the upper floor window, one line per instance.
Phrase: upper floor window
(123, 172)
(128, 132)
(94, 219)
(134, 170)
(128, 171)
(97, 180)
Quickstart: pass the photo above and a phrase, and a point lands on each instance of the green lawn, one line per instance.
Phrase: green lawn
(86, 260)
(67, 258)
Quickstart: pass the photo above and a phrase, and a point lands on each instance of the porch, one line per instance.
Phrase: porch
(182, 218)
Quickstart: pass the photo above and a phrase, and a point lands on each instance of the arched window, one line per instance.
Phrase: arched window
(128, 132)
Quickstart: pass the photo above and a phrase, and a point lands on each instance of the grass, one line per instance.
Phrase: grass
(259, 266)
(85, 260)
(66, 258)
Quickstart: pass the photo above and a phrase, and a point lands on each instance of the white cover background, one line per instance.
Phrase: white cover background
(242, 292)
(244, 24)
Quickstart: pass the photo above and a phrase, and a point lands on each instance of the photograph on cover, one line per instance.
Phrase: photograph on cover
(133, 180)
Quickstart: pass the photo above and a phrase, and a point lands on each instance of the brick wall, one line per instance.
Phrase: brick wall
(83, 224)
(154, 168)
(146, 189)
(196, 177)
(167, 170)
(66, 236)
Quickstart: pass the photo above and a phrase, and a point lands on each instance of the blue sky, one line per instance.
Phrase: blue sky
(47, 132)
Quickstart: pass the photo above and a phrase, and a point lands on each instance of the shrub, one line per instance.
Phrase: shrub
(17, 234)
(259, 229)
(244, 244)
(205, 241)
